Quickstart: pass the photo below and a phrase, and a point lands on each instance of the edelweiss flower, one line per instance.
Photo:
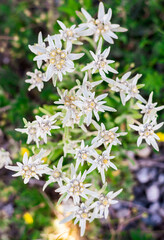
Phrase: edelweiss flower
(37, 79)
(104, 202)
(132, 90)
(120, 85)
(38, 48)
(83, 154)
(100, 62)
(87, 85)
(4, 158)
(89, 104)
(102, 163)
(75, 187)
(59, 60)
(128, 89)
(149, 110)
(101, 26)
(146, 131)
(32, 167)
(82, 213)
(107, 137)
(31, 129)
(46, 123)
(39, 128)
(70, 35)
(72, 114)
(56, 175)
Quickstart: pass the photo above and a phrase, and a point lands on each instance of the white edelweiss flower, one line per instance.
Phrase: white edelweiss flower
(102, 163)
(132, 90)
(46, 123)
(38, 48)
(83, 154)
(101, 26)
(88, 103)
(69, 34)
(56, 175)
(31, 129)
(146, 131)
(149, 109)
(37, 79)
(120, 85)
(32, 167)
(4, 158)
(75, 187)
(59, 60)
(72, 114)
(104, 202)
(87, 85)
(100, 62)
(107, 137)
(127, 87)
(82, 213)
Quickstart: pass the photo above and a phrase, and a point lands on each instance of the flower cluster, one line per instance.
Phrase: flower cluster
(80, 110)
(39, 129)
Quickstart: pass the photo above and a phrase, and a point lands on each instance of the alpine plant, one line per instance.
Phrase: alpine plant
(79, 109)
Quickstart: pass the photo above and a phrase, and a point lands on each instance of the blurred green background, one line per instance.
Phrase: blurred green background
(141, 48)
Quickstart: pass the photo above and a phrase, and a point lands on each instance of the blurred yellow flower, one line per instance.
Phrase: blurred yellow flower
(116, 173)
(23, 150)
(161, 136)
(28, 218)
(45, 159)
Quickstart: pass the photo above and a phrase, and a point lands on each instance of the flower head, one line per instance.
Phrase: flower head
(104, 202)
(88, 103)
(100, 61)
(75, 187)
(83, 154)
(101, 26)
(149, 109)
(146, 131)
(82, 213)
(59, 60)
(37, 80)
(127, 87)
(102, 163)
(56, 175)
(31, 167)
(107, 137)
(46, 124)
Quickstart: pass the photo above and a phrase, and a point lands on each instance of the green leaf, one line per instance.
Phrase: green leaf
(81, 16)
(25, 121)
(61, 199)
(44, 111)
(82, 119)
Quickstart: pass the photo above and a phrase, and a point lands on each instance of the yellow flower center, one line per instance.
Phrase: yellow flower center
(84, 215)
(105, 161)
(84, 156)
(105, 202)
